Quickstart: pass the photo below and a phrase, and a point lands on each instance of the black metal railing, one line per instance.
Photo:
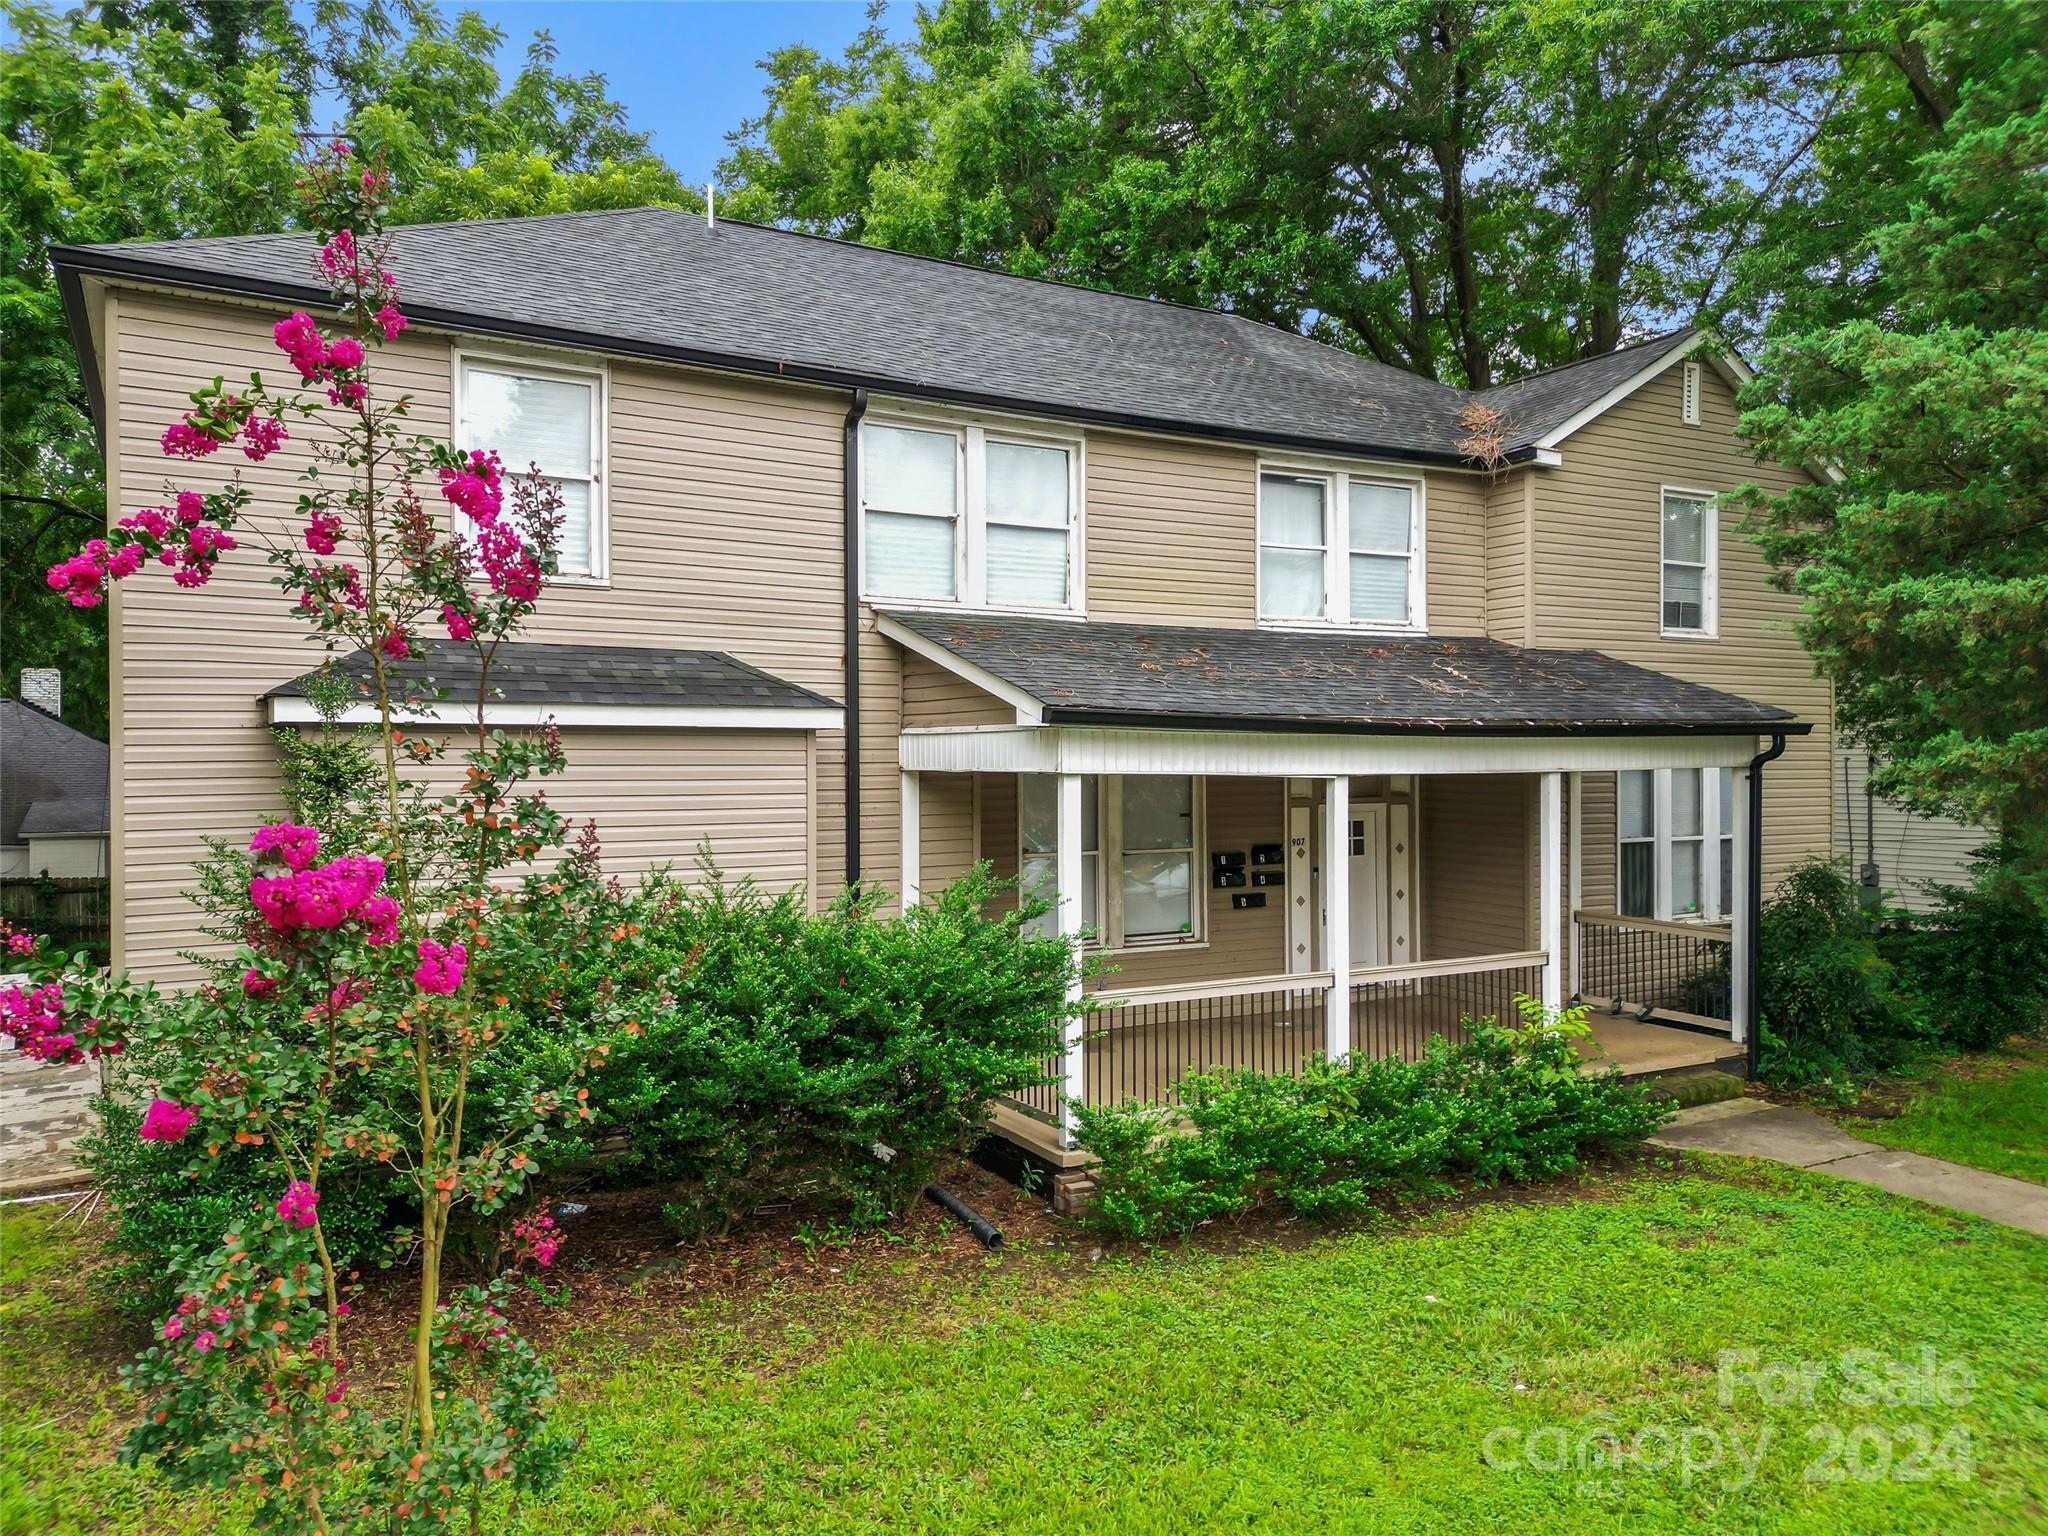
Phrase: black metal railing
(1646, 967)
(1397, 1016)
(1144, 1047)
(1041, 1101)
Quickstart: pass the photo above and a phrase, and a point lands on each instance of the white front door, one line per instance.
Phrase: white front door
(1368, 865)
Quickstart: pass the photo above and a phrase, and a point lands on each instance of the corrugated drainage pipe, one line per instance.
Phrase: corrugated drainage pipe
(968, 1217)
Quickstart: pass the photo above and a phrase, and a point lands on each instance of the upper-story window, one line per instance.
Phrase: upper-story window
(546, 415)
(970, 514)
(1339, 548)
(1675, 842)
(1690, 566)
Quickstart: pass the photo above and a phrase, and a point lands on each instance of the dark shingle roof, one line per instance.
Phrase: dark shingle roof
(1283, 679)
(71, 816)
(43, 759)
(1533, 407)
(528, 673)
(657, 282)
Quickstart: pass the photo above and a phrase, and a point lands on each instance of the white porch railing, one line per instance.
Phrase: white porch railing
(1677, 972)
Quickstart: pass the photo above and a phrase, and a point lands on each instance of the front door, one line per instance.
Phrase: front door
(1368, 871)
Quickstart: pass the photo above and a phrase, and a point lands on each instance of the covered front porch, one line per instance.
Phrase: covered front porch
(1264, 891)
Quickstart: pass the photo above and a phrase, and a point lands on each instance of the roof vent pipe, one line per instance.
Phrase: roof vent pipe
(710, 205)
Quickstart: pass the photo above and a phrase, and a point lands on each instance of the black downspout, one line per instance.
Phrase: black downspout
(851, 548)
(1753, 919)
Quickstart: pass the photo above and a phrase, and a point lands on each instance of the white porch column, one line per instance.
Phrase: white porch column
(1067, 882)
(1336, 869)
(1550, 883)
(1575, 799)
(1741, 958)
(913, 857)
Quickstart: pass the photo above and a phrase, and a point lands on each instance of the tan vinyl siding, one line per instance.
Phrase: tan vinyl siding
(946, 840)
(1506, 558)
(1911, 851)
(1172, 531)
(1597, 890)
(1477, 832)
(933, 696)
(724, 511)
(1598, 543)
(1455, 509)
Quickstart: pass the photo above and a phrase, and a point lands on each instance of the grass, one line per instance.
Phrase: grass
(1351, 1384)
(1989, 1110)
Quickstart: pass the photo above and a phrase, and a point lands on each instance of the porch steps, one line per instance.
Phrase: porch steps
(1705, 1086)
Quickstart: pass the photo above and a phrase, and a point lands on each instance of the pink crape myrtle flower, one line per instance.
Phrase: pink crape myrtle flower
(477, 490)
(345, 353)
(294, 845)
(167, 1120)
(379, 916)
(83, 578)
(191, 507)
(256, 984)
(262, 436)
(458, 622)
(395, 645)
(390, 321)
(322, 897)
(36, 1017)
(300, 340)
(184, 440)
(440, 967)
(323, 533)
(299, 1204)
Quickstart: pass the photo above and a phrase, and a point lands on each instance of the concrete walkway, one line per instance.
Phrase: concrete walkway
(1752, 1128)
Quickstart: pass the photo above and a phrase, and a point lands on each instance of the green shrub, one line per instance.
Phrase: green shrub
(164, 1217)
(1832, 1002)
(1979, 961)
(1510, 1104)
(778, 1048)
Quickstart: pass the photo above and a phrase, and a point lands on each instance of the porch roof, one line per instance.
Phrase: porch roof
(1291, 680)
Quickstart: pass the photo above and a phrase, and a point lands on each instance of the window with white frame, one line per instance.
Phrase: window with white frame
(1339, 549)
(1688, 563)
(1038, 825)
(1140, 855)
(547, 416)
(1675, 842)
(969, 514)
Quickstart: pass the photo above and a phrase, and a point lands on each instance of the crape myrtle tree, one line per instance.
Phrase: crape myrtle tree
(380, 954)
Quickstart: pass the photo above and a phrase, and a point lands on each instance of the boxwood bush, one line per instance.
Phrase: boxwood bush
(1978, 963)
(776, 1049)
(1512, 1103)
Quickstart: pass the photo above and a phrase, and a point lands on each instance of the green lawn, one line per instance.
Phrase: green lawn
(1989, 1110)
(1356, 1383)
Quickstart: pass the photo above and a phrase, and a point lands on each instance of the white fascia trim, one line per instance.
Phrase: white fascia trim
(1263, 754)
(1029, 710)
(295, 711)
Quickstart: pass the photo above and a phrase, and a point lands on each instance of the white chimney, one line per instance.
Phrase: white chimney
(44, 688)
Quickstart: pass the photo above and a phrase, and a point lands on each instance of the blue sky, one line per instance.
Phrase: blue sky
(684, 69)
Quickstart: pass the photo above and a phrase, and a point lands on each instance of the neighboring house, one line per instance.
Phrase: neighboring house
(53, 791)
(887, 564)
(1893, 854)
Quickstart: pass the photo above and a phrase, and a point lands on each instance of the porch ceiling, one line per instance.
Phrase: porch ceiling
(1296, 681)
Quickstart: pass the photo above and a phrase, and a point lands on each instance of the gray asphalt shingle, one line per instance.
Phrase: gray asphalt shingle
(1284, 679)
(43, 760)
(525, 672)
(657, 282)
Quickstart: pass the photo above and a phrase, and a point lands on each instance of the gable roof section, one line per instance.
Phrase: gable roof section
(42, 761)
(1542, 409)
(1138, 674)
(658, 283)
(584, 685)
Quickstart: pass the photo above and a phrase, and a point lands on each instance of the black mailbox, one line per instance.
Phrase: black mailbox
(1227, 879)
(1269, 877)
(1245, 900)
(1268, 853)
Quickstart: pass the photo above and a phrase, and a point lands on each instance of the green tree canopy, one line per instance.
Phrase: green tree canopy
(183, 117)
(1914, 369)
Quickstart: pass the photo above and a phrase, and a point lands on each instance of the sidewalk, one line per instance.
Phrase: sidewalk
(1752, 1128)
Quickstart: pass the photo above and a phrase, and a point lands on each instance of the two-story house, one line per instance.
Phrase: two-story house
(1328, 727)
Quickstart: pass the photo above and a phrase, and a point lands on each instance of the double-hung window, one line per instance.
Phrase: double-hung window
(1140, 854)
(1339, 549)
(1675, 842)
(549, 417)
(969, 515)
(1690, 573)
